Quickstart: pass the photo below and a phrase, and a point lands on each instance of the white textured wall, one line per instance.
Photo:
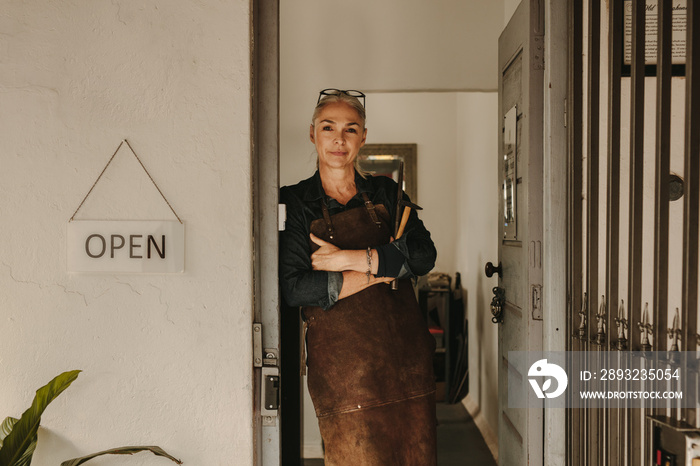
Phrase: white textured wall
(477, 223)
(166, 358)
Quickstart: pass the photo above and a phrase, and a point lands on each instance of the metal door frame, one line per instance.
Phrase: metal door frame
(265, 199)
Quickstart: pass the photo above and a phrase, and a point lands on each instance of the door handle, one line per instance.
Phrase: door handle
(490, 269)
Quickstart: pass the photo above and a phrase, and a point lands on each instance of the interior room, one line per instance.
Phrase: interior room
(430, 75)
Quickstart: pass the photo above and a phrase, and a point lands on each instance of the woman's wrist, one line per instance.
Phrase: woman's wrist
(354, 281)
(357, 260)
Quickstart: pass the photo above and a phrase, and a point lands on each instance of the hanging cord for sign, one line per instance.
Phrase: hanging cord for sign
(144, 169)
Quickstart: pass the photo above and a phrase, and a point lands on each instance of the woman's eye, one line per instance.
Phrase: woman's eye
(352, 130)
(327, 128)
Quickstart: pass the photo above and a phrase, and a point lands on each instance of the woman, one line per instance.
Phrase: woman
(369, 350)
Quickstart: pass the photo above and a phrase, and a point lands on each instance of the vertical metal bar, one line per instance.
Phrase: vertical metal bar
(574, 111)
(636, 172)
(691, 232)
(636, 205)
(595, 416)
(663, 161)
(575, 122)
(593, 163)
(612, 263)
(612, 236)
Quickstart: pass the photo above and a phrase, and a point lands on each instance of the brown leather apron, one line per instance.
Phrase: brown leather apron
(369, 359)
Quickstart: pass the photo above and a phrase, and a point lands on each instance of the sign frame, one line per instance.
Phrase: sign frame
(125, 246)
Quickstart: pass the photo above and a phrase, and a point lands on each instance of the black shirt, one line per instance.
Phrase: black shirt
(411, 255)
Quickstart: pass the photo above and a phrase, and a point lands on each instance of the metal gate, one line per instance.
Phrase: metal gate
(633, 113)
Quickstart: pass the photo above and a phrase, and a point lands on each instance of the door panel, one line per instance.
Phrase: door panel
(520, 431)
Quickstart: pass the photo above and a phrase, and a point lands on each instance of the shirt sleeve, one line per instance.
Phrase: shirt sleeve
(300, 284)
(412, 255)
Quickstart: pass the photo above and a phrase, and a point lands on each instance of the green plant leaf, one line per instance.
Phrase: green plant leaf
(17, 447)
(5, 429)
(121, 451)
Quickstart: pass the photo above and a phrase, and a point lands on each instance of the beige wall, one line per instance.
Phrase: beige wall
(477, 226)
(166, 359)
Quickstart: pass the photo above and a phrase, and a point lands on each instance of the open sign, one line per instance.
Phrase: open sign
(131, 246)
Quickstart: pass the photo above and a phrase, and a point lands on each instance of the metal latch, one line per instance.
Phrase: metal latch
(281, 217)
(270, 386)
(536, 297)
(498, 304)
(271, 391)
(270, 396)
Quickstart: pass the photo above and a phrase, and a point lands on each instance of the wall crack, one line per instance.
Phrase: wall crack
(43, 286)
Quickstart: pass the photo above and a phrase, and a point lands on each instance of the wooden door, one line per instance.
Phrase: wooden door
(521, 71)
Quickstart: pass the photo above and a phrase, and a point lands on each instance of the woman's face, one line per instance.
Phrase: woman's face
(338, 134)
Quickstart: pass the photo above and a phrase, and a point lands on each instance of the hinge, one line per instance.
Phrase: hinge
(565, 112)
(257, 345)
(537, 53)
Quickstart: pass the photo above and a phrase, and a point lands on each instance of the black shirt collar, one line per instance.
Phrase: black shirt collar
(315, 189)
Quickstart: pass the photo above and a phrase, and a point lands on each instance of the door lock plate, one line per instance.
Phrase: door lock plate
(536, 301)
(271, 391)
(270, 388)
(498, 304)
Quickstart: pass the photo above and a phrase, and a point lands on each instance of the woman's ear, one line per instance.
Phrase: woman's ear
(311, 134)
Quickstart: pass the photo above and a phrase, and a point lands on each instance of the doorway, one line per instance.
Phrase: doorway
(444, 100)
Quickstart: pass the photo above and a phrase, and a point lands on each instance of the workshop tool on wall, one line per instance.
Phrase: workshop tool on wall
(460, 379)
(401, 218)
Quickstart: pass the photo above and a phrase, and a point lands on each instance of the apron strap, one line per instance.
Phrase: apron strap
(370, 209)
(327, 219)
(368, 205)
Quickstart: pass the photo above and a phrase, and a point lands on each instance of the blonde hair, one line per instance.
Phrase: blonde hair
(353, 102)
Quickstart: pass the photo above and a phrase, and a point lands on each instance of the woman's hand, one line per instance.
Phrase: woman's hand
(331, 258)
(328, 257)
(353, 264)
